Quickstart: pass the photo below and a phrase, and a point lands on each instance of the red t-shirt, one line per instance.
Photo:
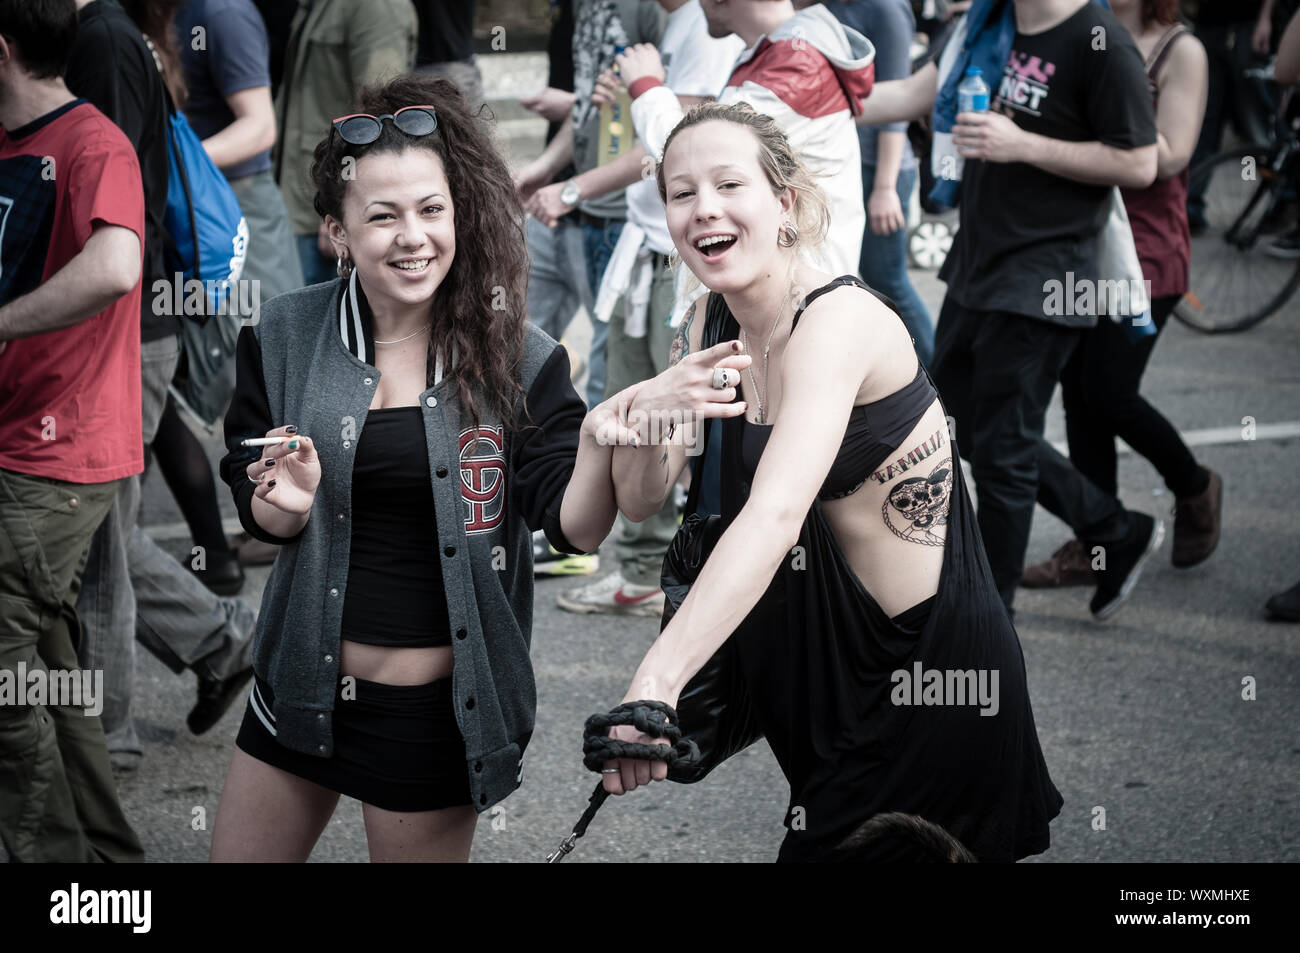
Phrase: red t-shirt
(70, 399)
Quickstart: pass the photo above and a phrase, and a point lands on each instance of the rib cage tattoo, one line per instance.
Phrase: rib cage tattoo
(922, 506)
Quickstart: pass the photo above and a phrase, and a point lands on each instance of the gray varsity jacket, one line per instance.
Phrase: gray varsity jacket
(306, 363)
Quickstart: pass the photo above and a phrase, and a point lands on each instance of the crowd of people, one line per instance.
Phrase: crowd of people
(407, 448)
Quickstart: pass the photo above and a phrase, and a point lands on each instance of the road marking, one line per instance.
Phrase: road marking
(161, 532)
(1212, 436)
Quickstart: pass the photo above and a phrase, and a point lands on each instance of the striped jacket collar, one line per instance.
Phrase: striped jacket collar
(357, 325)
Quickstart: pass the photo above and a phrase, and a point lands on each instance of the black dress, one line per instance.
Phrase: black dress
(817, 657)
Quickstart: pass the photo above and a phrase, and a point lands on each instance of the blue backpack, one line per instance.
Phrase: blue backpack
(209, 237)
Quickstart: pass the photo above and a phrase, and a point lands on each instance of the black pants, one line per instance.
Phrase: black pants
(996, 372)
(1100, 389)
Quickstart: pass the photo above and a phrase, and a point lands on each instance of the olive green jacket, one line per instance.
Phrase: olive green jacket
(341, 46)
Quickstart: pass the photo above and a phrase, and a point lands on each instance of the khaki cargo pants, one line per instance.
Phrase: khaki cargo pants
(58, 799)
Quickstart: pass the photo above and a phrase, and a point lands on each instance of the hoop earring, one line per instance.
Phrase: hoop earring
(343, 267)
(787, 235)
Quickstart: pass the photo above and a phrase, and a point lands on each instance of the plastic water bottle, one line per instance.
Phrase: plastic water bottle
(972, 93)
(617, 134)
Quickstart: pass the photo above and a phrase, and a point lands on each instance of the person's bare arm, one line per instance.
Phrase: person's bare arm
(885, 210)
(1184, 82)
(557, 154)
(106, 268)
(613, 176)
(251, 133)
(547, 207)
(820, 378)
(1286, 69)
(993, 137)
(588, 508)
(550, 103)
(901, 100)
(1094, 162)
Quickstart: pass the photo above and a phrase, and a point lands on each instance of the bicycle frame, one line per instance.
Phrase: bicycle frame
(1280, 172)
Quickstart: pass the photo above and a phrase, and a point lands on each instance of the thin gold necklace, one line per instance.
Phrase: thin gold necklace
(758, 395)
(408, 337)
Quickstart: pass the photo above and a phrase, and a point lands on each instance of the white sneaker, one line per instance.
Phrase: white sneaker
(614, 595)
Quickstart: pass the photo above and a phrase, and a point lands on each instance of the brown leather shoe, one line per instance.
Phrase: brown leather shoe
(1196, 523)
(1069, 566)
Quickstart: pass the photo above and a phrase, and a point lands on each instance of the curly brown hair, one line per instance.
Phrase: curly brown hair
(478, 309)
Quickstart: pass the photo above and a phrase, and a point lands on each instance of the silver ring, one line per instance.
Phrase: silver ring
(609, 770)
(720, 378)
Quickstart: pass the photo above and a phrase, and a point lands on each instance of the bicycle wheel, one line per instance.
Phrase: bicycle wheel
(1234, 284)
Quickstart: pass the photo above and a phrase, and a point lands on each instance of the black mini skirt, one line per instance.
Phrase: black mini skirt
(396, 747)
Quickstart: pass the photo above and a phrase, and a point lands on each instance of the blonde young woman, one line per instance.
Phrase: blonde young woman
(878, 658)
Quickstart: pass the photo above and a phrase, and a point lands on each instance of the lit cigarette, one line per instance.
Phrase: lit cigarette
(262, 441)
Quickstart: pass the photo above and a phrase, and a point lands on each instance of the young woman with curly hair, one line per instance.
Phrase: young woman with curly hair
(422, 431)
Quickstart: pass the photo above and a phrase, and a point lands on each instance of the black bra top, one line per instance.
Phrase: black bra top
(874, 431)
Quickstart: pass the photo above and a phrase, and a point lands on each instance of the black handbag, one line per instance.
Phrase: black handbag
(714, 710)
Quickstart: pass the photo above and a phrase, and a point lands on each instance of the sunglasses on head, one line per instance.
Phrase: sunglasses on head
(361, 129)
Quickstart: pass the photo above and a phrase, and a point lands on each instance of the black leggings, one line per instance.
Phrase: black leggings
(188, 474)
(1099, 387)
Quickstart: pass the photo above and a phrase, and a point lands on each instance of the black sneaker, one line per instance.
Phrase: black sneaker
(1124, 561)
(1285, 606)
(215, 696)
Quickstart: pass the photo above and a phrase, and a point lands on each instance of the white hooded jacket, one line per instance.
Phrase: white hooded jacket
(810, 75)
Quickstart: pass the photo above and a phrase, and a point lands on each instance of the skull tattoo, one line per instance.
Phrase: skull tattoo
(922, 502)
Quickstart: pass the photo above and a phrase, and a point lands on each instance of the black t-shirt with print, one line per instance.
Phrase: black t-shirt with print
(1080, 81)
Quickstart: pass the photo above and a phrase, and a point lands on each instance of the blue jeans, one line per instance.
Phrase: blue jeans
(883, 265)
(316, 268)
(598, 244)
(557, 274)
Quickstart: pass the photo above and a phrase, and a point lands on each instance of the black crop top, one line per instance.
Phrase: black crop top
(395, 592)
(874, 431)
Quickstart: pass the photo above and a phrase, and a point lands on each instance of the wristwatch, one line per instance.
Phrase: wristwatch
(570, 195)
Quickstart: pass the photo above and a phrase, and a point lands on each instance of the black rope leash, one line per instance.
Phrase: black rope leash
(653, 718)
(648, 717)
